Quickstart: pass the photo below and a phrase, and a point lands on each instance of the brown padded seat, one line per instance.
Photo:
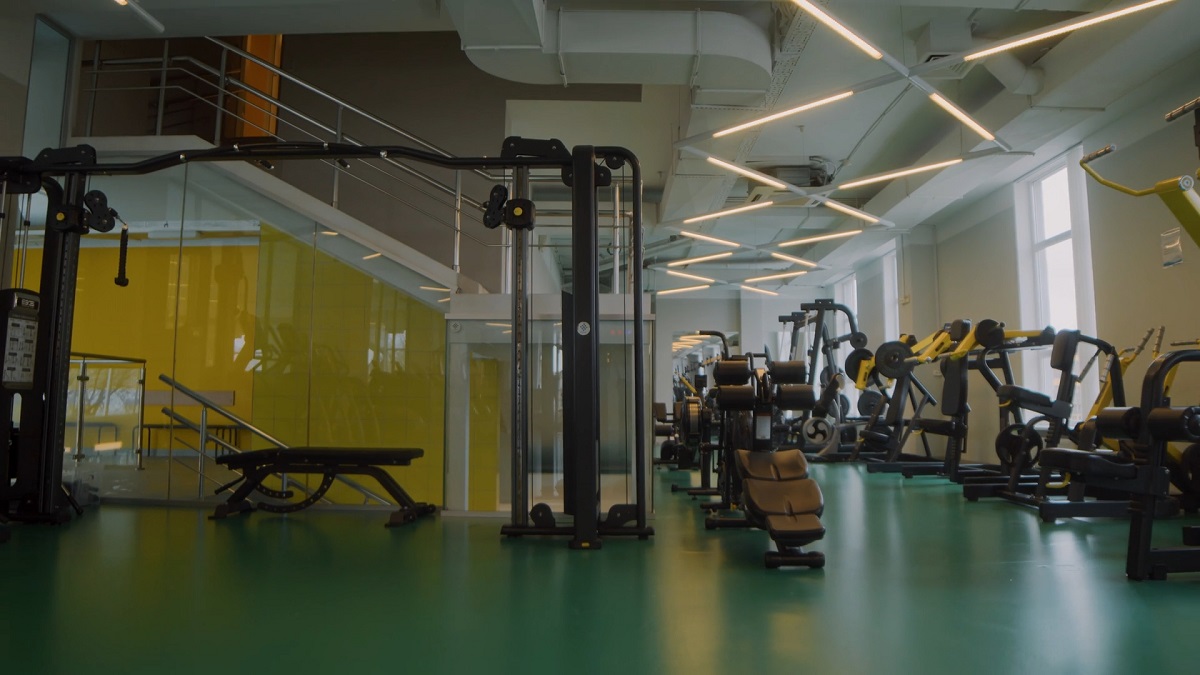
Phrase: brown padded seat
(795, 530)
(782, 465)
(783, 498)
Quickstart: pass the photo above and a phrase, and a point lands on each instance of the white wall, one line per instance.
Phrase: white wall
(976, 258)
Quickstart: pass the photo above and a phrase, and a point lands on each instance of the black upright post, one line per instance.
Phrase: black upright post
(585, 405)
(60, 267)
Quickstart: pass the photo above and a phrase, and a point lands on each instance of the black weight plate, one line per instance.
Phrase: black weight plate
(989, 333)
(890, 359)
(869, 400)
(858, 340)
(855, 361)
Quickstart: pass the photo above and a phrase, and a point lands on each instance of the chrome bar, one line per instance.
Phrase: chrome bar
(458, 200)
(203, 449)
(222, 84)
(80, 396)
(208, 403)
(329, 97)
(337, 171)
(618, 239)
(162, 89)
(202, 400)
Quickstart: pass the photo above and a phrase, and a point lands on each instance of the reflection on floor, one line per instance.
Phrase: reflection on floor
(917, 581)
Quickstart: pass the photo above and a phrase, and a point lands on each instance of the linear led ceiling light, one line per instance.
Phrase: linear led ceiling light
(713, 240)
(1065, 28)
(850, 211)
(820, 237)
(962, 116)
(780, 115)
(748, 173)
(793, 259)
(372, 256)
(439, 289)
(744, 287)
(728, 212)
(770, 277)
(899, 174)
(685, 289)
(703, 258)
(820, 15)
(693, 277)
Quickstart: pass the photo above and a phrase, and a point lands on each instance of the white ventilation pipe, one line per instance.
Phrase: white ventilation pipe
(519, 40)
(1014, 75)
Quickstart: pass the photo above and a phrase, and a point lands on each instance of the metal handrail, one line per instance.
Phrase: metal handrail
(244, 424)
(339, 102)
(222, 90)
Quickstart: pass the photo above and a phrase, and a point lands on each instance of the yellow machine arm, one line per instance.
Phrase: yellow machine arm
(1178, 193)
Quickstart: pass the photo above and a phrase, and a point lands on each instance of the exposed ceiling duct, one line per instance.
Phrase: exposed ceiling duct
(725, 57)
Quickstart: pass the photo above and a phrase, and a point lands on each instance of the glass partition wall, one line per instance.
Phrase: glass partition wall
(255, 326)
(479, 404)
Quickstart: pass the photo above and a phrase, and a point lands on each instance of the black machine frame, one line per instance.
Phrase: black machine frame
(584, 168)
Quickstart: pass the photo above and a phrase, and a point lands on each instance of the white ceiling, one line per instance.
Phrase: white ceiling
(1091, 79)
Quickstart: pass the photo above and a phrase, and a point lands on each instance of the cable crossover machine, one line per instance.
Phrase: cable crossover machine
(38, 326)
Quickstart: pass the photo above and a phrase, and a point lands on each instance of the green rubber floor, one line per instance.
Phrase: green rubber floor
(917, 581)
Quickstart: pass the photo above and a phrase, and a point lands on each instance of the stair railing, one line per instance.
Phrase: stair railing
(201, 429)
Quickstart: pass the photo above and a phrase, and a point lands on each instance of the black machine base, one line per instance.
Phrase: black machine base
(793, 557)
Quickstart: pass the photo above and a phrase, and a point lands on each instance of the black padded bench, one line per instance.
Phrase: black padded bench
(256, 466)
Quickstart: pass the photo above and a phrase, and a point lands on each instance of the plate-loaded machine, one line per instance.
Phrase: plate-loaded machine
(823, 367)
(772, 489)
(583, 168)
(1151, 426)
(698, 422)
(1019, 444)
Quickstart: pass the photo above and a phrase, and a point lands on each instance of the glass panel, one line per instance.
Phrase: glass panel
(478, 426)
(48, 68)
(1055, 212)
(152, 206)
(377, 374)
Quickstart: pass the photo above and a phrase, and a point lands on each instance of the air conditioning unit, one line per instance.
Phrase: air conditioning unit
(943, 37)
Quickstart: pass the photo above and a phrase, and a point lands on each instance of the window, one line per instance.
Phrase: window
(845, 292)
(1055, 268)
(891, 298)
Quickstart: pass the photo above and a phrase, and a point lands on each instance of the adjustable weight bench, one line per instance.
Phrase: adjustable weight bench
(256, 466)
(780, 498)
